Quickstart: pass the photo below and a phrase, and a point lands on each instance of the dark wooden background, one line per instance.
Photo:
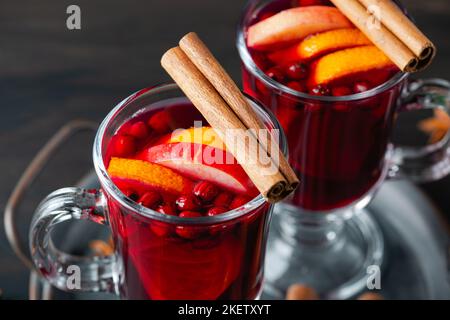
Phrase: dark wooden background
(50, 75)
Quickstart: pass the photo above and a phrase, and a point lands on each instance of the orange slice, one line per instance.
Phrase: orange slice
(321, 44)
(148, 174)
(199, 135)
(347, 62)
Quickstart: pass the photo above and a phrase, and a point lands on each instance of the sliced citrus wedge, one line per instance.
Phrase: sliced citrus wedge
(344, 63)
(294, 24)
(148, 175)
(320, 44)
(201, 162)
(199, 135)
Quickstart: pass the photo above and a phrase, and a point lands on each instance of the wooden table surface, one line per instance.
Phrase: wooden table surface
(50, 75)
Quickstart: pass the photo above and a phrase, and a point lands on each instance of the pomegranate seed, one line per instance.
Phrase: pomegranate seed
(341, 91)
(297, 71)
(164, 229)
(320, 90)
(124, 146)
(216, 210)
(206, 191)
(160, 122)
(139, 130)
(239, 201)
(189, 232)
(187, 203)
(361, 86)
(294, 85)
(276, 74)
(223, 199)
(150, 199)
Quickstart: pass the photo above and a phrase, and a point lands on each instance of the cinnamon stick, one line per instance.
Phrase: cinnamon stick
(205, 61)
(272, 184)
(384, 39)
(404, 29)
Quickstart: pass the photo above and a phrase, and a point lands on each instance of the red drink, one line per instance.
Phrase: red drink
(337, 140)
(191, 260)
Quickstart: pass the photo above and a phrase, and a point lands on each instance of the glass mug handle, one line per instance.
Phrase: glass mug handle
(431, 162)
(64, 271)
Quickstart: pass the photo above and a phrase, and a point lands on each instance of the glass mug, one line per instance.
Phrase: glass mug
(341, 150)
(222, 265)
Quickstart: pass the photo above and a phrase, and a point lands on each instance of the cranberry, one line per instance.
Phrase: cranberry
(216, 210)
(361, 86)
(217, 229)
(239, 201)
(320, 90)
(187, 203)
(139, 130)
(341, 91)
(150, 199)
(190, 214)
(163, 229)
(297, 86)
(189, 232)
(206, 191)
(297, 71)
(276, 74)
(167, 209)
(223, 199)
(160, 122)
(124, 146)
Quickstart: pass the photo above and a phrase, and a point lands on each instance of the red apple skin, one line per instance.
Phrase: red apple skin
(293, 25)
(198, 162)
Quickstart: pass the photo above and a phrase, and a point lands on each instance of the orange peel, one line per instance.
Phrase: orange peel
(320, 44)
(343, 63)
(151, 174)
(199, 135)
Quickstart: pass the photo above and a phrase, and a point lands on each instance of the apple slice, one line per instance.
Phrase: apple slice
(294, 24)
(142, 175)
(201, 162)
(200, 135)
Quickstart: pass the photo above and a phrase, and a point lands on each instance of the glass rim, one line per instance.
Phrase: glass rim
(139, 210)
(250, 65)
